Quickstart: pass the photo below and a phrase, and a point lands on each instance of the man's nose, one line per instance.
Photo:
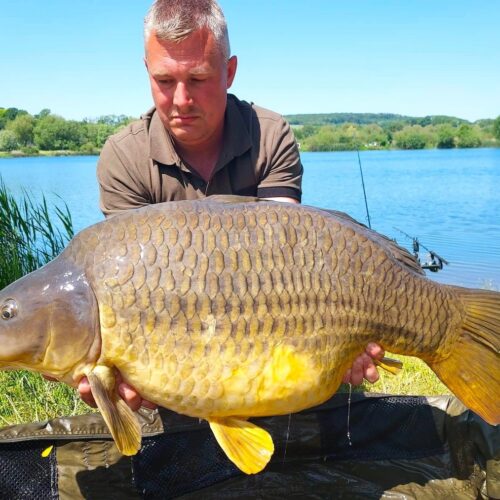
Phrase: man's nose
(182, 97)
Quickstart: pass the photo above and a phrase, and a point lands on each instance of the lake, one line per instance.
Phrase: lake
(448, 199)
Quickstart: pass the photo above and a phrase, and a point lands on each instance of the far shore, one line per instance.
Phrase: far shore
(21, 154)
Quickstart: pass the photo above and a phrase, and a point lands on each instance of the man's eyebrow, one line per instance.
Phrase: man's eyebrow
(199, 70)
(193, 71)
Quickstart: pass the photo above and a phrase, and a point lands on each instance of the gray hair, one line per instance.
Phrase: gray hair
(174, 20)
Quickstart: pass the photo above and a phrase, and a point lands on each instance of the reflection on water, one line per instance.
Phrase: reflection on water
(448, 199)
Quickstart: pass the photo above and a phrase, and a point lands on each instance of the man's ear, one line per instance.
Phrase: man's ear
(232, 64)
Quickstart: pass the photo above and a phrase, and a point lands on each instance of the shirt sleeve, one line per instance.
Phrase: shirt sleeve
(119, 177)
(283, 174)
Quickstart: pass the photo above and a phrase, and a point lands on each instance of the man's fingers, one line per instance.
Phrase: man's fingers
(369, 369)
(86, 392)
(363, 366)
(357, 371)
(148, 404)
(130, 396)
(375, 351)
(133, 398)
(347, 377)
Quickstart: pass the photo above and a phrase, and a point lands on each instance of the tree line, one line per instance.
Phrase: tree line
(23, 133)
(29, 134)
(364, 131)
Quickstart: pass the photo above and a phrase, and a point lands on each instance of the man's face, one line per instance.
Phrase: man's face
(189, 82)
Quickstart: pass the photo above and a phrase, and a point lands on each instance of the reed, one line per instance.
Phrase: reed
(28, 236)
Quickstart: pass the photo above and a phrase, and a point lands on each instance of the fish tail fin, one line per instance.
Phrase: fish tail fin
(472, 370)
(248, 446)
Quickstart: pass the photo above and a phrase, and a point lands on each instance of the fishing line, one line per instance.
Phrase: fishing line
(364, 190)
(287, 436)
(349, 416)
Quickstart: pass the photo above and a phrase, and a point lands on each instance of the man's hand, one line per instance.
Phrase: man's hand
(364, 367)
(127, 393)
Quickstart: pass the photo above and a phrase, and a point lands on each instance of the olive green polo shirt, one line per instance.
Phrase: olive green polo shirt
(139, 165)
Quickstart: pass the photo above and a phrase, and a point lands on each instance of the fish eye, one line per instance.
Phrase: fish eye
(9, 310)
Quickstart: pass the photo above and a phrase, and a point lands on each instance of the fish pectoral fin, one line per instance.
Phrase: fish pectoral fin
(248, 446)
(119, 418)
(390, 365)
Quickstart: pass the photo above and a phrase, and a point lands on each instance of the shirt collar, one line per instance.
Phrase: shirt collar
(237, 138)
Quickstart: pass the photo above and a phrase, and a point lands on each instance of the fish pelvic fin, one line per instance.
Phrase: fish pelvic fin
(472, 370)
(248, 446)
(390, 365)
(119, 418)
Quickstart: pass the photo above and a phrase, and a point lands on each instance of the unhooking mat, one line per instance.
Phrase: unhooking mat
(395, 447)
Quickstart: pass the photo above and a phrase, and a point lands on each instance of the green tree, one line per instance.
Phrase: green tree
(496, 128)
(323, 140)
(8, 140)
(23, 126)
(373, 136)
(43, 113)
(468, 137)
(445, 136)
(53, 132)
(412, 137)
(301, 132)
(97, 133)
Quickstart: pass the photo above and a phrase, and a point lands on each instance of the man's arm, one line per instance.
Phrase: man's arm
(122, 174)
(283, 198)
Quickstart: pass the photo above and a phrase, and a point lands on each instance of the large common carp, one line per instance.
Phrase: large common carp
(229, 308)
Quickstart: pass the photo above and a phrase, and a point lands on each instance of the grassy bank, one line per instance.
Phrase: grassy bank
(62, 152)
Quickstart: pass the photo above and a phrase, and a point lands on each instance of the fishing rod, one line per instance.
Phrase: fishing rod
(436, 262)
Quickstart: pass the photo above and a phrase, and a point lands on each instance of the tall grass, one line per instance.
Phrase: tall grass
(30, 236)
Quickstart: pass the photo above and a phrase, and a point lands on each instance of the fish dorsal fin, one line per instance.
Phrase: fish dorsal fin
(232, 198)
(119, 418)
(248, 446)
(402, 255)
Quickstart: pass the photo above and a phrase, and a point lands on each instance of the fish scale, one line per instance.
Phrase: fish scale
(229, 308)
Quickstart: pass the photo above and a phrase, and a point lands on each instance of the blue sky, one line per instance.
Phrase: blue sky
(416, 57)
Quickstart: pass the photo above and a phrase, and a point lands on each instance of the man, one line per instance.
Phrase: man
(198, 140)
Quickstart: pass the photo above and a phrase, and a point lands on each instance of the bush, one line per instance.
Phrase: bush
(29, 150)
(468, 137)
(445, 137)
(8, 140)
(89, 149)
(414, 137)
